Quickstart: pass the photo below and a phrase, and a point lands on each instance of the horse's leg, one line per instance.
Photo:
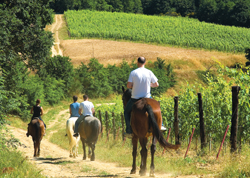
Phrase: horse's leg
(135, 143)
(143, 168)
(93, 152)
(84, 148)
(90, 153)
(152, 166)
(76, 148)
(34, 142)
(38, 148)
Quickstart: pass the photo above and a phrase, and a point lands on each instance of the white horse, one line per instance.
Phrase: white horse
(73, 141)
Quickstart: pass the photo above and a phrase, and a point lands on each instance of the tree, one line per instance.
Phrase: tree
(207, 11)
(240, 15)
(184, 7)
(22, 36)
(117, 5)
(247, 51)
(59, 68)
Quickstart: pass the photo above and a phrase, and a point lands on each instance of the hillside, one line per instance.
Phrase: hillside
(185, 61)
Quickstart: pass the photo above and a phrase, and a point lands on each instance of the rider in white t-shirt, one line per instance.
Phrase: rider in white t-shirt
(140, 80)
(86, 109)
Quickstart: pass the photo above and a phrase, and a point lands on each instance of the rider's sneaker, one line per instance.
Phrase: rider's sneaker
(27, 134)
(76, 135)
(128, 135)
(163, 129)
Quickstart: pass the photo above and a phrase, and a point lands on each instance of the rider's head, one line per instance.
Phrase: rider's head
(38, 101)
(75, 98)
(141, 61)
(85, 97)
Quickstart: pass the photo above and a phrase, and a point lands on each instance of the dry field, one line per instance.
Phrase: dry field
(184, 61)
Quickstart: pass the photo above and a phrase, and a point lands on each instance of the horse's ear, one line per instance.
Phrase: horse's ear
(123, 89)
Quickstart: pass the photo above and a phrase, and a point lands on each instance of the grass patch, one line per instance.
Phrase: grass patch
(88, 169)
(12, 162)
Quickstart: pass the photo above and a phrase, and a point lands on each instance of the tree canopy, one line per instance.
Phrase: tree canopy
(22, 35)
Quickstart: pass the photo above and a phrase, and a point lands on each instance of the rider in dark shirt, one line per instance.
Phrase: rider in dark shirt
(37, 111)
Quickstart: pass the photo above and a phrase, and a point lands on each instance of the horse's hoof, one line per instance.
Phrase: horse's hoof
(70, 156)
(133, 171)
(92, 157)
(84, 158)
(152, 174)
(142, 173)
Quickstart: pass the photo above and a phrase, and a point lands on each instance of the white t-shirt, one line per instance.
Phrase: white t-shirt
(141, 79)
(86, 107)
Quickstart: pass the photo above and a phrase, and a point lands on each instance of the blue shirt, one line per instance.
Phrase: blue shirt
(74, 109)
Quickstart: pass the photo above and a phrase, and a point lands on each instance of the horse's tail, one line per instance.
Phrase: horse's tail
(95, 131)
(157, 132)
(38, 131)
(70, 132)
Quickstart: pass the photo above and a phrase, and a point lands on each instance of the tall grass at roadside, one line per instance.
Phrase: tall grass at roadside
(169, 162)
(12, 162)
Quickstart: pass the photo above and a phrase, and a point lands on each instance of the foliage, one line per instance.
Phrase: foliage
(59, 68)
(129, 6)
(230, 12)
(12, 163)
(216, 101)
(24, 44)
(98, 81)
(184, 32)
(247, 51)
(22, 36)
(165, 75)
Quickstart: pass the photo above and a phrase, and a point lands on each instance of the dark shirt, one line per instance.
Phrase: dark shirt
(37, 111)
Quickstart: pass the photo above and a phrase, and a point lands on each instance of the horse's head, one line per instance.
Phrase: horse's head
(126, 96)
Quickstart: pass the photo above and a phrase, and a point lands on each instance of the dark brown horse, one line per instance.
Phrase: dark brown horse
(146, 119)
(36, 129)
(89, 130)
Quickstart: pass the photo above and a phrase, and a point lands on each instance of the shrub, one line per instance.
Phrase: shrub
(59, 68)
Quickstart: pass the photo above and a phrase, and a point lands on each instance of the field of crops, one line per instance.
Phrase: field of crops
(163, 30)
(217, 106)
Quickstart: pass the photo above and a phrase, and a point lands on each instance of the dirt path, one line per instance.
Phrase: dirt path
(55, 161)
(56, 50)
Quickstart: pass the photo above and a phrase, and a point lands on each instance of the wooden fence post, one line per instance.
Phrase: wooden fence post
(202, 126)
(234, 121)
(176, 121)
(100, 118)
(122, 119)
(107, 125)
(113, 120)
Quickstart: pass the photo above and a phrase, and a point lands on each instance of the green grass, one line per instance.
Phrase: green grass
(117, 151)
(163, 30)
(12, 162)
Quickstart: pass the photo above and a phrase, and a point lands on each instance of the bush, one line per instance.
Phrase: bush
(59, 68)
(97, 81)
(247, 51)
(165, 75)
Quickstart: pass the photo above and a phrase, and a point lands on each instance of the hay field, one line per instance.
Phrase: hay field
(185, 61)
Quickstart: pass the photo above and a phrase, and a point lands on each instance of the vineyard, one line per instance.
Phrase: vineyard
(217, 107)
(163, 30)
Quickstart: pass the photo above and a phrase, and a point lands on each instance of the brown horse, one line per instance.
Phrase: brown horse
(146, 119)
(89, 130)
(36, 129)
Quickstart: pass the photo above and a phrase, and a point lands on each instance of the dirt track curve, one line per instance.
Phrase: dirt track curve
(55, 161)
